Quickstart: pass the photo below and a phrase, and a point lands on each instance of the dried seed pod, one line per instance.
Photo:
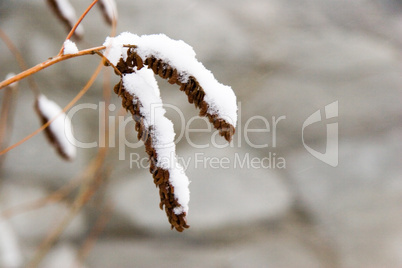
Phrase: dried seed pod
(161, 176)
(59, 129)
(165, 53)
(139, 62)
(109, 10)
(193, 91)
(173, 78)
(66, 13)
(215, 101)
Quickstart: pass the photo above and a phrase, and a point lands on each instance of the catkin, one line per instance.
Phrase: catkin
(52, 137)
(108, 9)
(195, 93)
(160, 176)
(64, 17)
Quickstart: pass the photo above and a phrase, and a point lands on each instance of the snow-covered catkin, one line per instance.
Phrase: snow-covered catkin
(174, 61)
(66, 13)
(195, 93)
(161, 176)
(109, 10)
(58, 131)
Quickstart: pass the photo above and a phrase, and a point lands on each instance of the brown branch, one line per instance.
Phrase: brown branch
(47, 63)
(117, 71)
(6, 117)
(91, 182)
(99, 226)
(77, 23)
(20, 59)
(54, 197)
(68, 106)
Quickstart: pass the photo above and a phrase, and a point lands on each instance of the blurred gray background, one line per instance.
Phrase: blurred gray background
(282, 58)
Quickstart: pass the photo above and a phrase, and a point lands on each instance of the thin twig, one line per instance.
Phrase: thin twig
(87, 189)
(6, 117)
(47, 63)
(54, 197)
(20, 59)
(77, 23)
(108, 62)
(68, 106)
(99, 226)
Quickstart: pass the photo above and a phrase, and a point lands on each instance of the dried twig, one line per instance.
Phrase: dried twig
(68, 106)
(20, 59)
(99, 226)
(74, 28)
(90, 184)
(7, 117)
(48, 63)
(54, 197)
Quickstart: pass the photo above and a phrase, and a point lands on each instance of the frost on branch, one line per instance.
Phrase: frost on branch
(175, 60)
(109, 10)
(59, 129)
(140, 94)
(66, 13)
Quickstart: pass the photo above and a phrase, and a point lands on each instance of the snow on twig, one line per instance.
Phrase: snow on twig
(69, 47)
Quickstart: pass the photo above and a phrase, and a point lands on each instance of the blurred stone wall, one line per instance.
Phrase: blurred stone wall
(282, 59)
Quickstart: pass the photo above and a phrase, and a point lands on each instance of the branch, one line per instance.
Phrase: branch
(48, 63)
(76, 98)
(78, 23)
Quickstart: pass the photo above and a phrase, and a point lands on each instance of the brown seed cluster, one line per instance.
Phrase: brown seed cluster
(161, 176)
(195, 93)
(49, 134)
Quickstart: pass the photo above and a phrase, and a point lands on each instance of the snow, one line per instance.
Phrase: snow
(67, 11)
(70, 47)
(61, 127)
(220, 98)
(10, 253)
(114, 50)
(143, 85)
